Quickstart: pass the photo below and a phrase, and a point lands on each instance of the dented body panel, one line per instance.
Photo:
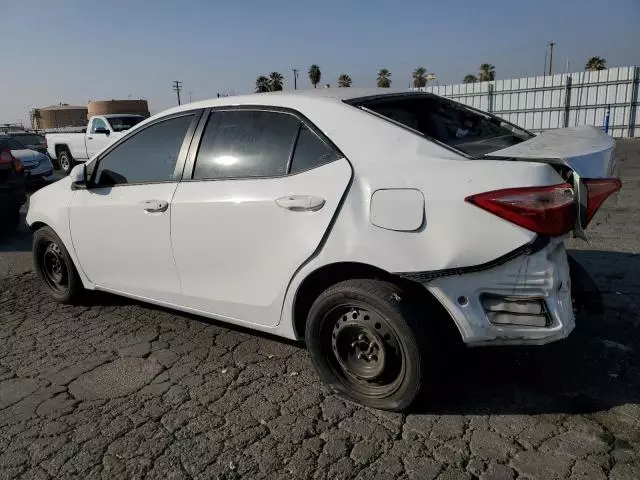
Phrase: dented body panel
(543, 275)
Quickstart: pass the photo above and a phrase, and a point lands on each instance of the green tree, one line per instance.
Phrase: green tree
(262, 84)
(314, 75)
(487, 72)
(384, 78)
(419, 77)
(596, 63)
(275, 81)
(344, 80)
(470, 78)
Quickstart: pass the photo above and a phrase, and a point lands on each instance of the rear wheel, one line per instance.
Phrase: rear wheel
(65, 160)
(55, 267)
(362, 337)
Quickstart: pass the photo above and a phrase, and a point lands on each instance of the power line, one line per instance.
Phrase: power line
(177, 87)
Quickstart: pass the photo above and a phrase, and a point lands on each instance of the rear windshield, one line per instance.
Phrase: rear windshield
(10, 143)
(470, 131)
(28, 138)
(119, 124)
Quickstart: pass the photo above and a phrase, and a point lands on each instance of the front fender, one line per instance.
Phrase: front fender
(50, 207)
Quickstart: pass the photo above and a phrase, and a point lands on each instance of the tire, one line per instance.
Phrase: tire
(65, 160)
(55, 267)
(364, 338)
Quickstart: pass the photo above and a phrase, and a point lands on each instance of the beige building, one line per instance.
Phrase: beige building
(57, 116)
(105, 107)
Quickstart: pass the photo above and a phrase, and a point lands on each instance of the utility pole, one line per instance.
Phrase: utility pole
(551, 45)
(190, 93)
(544, 70)
(295, 78)
(177, 87)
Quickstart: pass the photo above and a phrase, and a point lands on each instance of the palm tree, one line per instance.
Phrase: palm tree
(262, 84)
(315, 75)
(596, 63)
(344, 80)
(384, 78)
(470, 78)
(275, 81)
(420, 77)
(487, 72)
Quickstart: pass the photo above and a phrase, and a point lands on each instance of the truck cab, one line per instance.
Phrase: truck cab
(71, 148)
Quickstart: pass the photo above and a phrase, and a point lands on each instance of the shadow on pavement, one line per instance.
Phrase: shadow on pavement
(596, 368)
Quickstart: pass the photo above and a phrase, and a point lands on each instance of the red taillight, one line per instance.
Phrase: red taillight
(546, 210)
(7, 158)
(543, 210)
(599, 189)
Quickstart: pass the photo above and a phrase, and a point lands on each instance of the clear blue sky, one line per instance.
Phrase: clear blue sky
(76, 50)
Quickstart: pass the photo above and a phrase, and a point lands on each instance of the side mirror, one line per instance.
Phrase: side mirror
(103, 131)
(78, 176)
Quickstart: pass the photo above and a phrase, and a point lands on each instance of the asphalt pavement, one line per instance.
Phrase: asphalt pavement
(116, 388)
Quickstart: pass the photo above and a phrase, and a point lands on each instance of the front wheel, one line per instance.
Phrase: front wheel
(55, 267)
(361, 335)
(65, 160)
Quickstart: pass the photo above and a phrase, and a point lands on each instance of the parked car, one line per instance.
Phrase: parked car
(37, 166)
(348, 218)
(12, 187)
(31, 140)
(68, 149)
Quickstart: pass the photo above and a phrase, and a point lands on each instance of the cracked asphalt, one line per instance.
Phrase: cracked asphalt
(118, 389)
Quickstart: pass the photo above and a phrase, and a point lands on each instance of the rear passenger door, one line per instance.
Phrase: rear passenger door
(260, 189)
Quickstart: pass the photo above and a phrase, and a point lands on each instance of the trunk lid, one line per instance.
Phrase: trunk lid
(587, 151)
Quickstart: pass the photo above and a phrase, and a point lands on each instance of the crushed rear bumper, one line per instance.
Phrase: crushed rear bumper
(542, 276)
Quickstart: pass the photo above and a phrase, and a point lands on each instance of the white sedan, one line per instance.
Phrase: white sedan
(348, 218)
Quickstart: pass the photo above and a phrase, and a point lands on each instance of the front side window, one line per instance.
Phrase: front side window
(98, 123)
(246, 143)
(148, 156)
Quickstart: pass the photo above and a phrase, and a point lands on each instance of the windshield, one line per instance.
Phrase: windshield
(11, 143)
(28, 139)
(470, 131)
(119, 124)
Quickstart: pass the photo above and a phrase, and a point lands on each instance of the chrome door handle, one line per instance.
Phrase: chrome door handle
(301, 203)
(154, 206)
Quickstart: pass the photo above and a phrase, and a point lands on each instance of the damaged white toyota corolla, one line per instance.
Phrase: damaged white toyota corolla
(344, 217)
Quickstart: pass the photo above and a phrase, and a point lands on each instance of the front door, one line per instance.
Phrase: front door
(97, 138)
(265, 188)
(121, 224)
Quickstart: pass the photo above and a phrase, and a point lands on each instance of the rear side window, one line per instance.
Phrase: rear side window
(149, 156)
(246, 143)
(310, 152)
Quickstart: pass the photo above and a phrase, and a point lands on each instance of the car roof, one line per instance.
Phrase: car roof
(292, 98)
(113, 115)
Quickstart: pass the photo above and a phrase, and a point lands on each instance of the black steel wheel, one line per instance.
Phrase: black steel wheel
(54, 270)
(362, 341)
(55, 267)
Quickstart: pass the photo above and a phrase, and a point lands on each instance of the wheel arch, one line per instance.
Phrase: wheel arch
(323, 277)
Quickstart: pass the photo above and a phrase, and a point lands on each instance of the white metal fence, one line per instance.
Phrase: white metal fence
(555, 101)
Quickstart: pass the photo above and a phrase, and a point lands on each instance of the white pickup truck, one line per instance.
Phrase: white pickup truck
(67, 149)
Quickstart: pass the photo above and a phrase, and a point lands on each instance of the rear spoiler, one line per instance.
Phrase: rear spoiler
(585, 150)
